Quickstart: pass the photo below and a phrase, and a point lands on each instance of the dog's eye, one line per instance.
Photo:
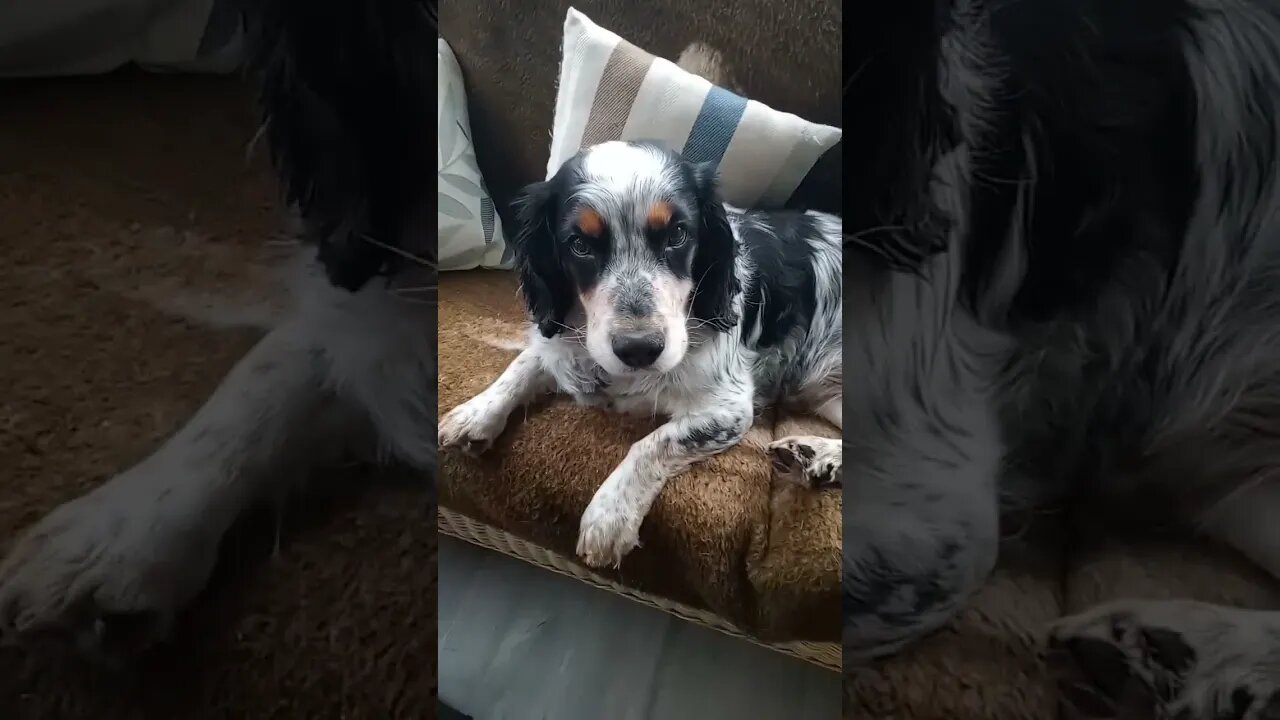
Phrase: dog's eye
(579, 246)
(678, 237)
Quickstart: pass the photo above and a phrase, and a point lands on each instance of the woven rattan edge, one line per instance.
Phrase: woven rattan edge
(462, 527)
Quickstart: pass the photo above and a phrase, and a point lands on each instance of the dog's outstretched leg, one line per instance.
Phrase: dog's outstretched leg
(610, 526)
(111, 568)
(476, 423)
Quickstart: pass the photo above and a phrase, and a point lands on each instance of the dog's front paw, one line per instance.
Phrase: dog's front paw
(472, 426)
(608, 531)
(1168, 659)
(107, 571)
(814, 462)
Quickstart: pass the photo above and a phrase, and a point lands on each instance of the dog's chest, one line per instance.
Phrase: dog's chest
(642, 394)
(633, 396)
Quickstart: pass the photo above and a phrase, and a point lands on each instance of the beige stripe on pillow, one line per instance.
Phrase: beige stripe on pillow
(616, 93)
(667, 105)
(756, 152)
(581, 74)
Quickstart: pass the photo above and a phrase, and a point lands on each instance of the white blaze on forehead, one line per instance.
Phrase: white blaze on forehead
(621, 166)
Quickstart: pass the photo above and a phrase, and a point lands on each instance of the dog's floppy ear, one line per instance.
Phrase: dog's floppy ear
(543, 281)
(714, 259)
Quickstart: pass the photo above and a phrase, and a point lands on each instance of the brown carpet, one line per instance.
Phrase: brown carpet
(115, 192)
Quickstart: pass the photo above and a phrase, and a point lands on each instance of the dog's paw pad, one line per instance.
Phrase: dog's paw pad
(812, 462)
(1173, 659)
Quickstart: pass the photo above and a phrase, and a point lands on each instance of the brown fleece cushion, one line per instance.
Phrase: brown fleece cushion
(723, 536)
(115, 191)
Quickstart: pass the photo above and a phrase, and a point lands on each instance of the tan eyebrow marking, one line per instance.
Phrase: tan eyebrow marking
(659, 215)
(590, 222)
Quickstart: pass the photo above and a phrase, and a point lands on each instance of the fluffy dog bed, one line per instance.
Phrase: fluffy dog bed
(721, 538)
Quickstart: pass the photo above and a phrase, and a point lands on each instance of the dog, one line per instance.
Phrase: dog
(1062, 267)
(345, 92)
(649, 295)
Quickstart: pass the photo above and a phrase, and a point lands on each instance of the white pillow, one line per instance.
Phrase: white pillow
(612, 90)
(470, 232)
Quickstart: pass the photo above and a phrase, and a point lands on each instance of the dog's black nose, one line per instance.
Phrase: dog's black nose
(638, 351)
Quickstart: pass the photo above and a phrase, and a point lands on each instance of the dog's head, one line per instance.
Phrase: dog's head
(628, 248)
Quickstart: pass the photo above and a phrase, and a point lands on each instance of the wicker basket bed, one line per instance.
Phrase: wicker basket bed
(457, 525)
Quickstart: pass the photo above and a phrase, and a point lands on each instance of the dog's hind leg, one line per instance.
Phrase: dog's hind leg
(808, 460)
(1187, 659)
(1173, 658)
(111, 568)
(811, 460)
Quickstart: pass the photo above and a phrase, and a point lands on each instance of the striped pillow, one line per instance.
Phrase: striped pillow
(612, 90)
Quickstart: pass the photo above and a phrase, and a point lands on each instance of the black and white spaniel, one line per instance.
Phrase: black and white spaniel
(649, 295)
(1063, 287)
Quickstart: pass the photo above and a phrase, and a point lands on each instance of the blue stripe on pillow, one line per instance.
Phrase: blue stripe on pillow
(717, 122)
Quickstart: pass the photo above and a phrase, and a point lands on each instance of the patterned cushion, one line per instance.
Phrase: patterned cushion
(470, 230)
(612, 90)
